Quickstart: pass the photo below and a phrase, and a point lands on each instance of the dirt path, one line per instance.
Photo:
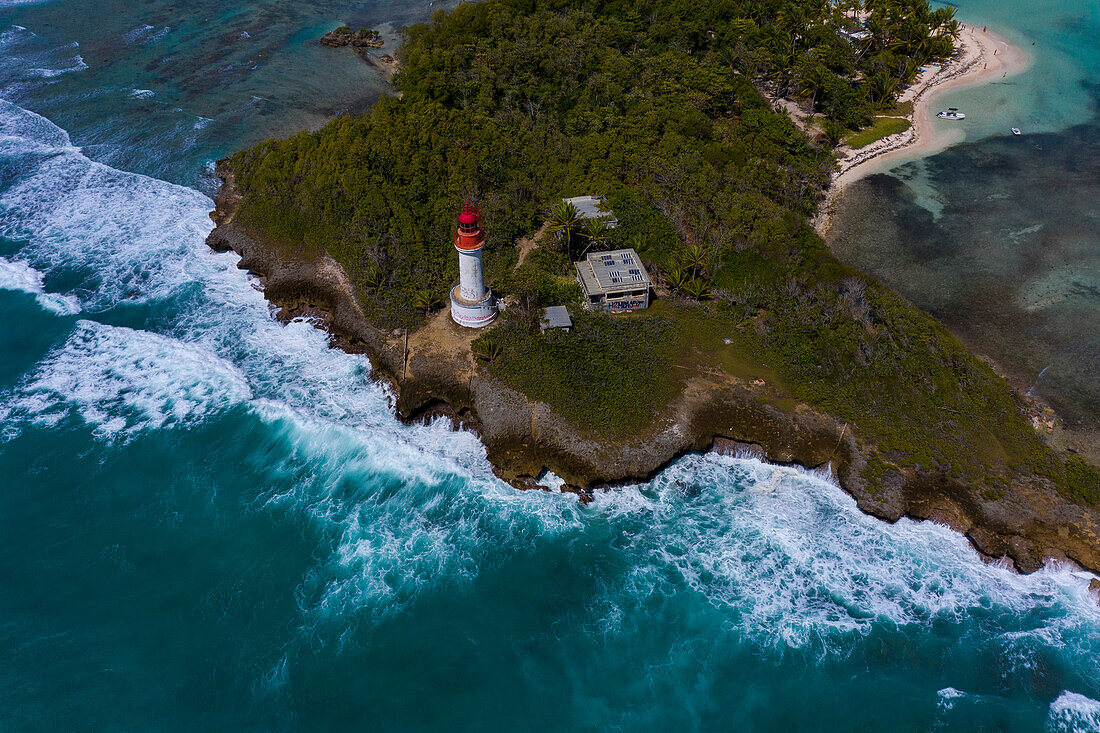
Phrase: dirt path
(528, 244)
(442, 338)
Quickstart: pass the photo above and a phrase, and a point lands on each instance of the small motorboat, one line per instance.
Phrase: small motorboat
(952, 113)
(1016, 131)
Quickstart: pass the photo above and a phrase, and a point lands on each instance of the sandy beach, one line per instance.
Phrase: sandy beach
(981, 56)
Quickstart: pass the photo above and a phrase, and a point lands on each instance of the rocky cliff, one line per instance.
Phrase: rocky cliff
(433, 373)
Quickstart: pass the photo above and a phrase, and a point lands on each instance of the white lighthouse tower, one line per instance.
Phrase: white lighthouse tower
(472, 304)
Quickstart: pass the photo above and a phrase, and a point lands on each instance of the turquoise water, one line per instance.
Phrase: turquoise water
(1000, 237)
(210, 520)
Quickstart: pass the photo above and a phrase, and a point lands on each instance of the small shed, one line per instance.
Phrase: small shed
(593, 207)
(556, 316)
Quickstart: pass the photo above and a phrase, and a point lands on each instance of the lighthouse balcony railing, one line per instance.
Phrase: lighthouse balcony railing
(456, 293)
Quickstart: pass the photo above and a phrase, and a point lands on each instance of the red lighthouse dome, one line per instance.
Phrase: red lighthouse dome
(468, 215)
(469, 236)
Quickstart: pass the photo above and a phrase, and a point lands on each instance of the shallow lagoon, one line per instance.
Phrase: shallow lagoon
(1000, 237)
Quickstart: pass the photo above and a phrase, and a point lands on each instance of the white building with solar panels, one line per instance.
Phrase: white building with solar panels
(614, 281)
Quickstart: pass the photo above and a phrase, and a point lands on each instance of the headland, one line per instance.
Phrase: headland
(434, 374)
(758, 339)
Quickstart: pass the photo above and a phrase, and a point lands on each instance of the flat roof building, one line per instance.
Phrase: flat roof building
(593, 207)
(614, 281)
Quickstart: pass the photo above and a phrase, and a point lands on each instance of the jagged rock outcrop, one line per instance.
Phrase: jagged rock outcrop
(345, 36)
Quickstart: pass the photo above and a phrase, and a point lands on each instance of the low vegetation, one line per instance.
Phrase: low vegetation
(882, 127)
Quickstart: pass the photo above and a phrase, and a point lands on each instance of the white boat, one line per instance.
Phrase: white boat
(952, 113)
(1016, 131)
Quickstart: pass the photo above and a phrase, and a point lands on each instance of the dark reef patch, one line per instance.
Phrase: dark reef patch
(1014, 273)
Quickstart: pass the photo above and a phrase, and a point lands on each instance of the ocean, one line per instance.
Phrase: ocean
(210, 520)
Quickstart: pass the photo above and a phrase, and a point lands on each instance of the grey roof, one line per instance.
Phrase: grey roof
(556, 316)
(593, 207)
(612, 272)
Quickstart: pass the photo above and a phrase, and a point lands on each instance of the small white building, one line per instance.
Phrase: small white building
(593, 207)
(614, 281)
(853, 36)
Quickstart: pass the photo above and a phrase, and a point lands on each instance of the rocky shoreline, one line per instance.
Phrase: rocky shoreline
(365, 43)
(434, 376)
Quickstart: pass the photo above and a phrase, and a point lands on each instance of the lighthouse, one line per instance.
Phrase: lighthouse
(472, 304)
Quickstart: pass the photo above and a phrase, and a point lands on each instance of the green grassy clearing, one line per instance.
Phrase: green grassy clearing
(882, 127)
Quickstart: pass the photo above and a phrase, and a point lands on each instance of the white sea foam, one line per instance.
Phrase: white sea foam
(1074, 712)
(142, 93)
(947, 697)
(76, 63)
(23, 277)
(143, 35)
(798, 565)
(75, 212)
(25, 132)
(123, 381)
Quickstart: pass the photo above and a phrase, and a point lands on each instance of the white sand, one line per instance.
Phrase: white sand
(974, 62)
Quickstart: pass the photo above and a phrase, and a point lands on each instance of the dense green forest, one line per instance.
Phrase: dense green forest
(513, 103)
(664, 107)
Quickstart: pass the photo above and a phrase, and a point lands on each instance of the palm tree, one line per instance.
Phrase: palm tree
(880, 86)
(597, 233)
(697, 288)
(566, 222)
(834, 132)
(696, 259)
(676, 278)
(487, 349)
(426, 300)
(374, 276)
(812, 81)
(782, 67)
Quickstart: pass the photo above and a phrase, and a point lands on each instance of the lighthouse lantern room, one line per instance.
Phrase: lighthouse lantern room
(472, 304)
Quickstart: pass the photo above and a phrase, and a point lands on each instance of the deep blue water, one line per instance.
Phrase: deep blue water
(210, 520)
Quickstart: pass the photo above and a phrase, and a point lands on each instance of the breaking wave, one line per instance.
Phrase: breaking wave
(1074, 712)
(22, 277)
